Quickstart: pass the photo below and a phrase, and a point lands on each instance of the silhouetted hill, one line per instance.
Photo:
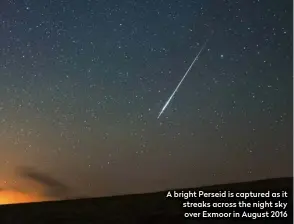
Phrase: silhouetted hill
(141, 208)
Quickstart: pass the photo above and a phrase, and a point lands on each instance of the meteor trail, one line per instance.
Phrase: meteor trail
(176, 89)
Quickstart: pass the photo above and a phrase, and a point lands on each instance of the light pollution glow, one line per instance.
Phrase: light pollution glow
(15, 197)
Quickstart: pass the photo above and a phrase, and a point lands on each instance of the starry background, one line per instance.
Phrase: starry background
(82, 83)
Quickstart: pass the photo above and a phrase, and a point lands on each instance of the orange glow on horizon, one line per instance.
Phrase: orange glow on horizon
(14, 197)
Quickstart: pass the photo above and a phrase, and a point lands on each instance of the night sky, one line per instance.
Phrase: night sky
(82, 84)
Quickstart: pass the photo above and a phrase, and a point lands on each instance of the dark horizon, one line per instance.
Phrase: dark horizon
(279, 183)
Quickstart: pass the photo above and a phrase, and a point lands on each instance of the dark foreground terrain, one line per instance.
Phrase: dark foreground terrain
(144, 208)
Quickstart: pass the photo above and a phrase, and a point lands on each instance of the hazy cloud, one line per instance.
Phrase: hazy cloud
(51, 186)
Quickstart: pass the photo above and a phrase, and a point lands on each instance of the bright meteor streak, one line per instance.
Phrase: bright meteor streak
(176, 89)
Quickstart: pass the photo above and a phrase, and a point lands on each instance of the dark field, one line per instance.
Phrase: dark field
(143, 208)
